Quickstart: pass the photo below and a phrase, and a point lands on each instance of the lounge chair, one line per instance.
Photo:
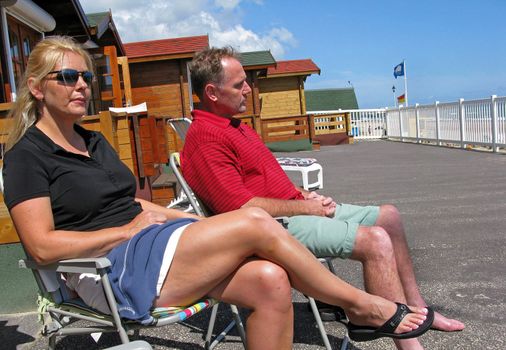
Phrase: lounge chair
(200, 209)
(302, 165)
(59, 308)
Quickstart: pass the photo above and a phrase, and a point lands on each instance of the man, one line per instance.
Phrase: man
(229, 167)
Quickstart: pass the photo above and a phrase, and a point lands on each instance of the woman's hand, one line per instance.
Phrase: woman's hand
(144, 219)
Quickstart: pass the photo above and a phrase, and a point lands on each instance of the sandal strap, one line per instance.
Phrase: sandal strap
(394, 321)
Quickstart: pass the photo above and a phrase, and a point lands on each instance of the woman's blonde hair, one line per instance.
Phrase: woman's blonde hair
(41, 61)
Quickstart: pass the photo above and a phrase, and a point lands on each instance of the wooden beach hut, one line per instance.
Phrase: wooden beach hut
(159, 77)
(285, 124)
(332, 127)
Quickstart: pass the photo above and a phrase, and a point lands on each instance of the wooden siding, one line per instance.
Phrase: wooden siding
(287, 128)
(280, 97)
(163, 85)
(332, 129)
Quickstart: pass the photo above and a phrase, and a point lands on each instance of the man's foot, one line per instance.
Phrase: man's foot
(442, 323)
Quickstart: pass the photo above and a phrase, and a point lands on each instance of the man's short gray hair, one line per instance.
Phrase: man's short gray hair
(206, 67)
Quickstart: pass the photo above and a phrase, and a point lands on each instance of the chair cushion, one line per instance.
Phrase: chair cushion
(296, 161)
(183, 312)
(76, 305)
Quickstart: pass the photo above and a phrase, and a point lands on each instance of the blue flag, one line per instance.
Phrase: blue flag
(399, 70)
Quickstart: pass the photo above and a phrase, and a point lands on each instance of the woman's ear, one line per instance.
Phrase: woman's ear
(210, 92)
(35, 89)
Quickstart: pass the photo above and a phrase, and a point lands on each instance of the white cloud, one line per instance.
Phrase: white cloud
(227, 4)
(220, 19)
(246, 40)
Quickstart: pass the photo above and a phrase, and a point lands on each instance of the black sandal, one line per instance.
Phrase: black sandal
(365, 333)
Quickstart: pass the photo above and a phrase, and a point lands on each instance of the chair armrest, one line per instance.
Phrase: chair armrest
(84, 265)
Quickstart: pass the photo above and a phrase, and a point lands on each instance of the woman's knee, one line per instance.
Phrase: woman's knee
(262, 223)
(256, 215)
(273, 286)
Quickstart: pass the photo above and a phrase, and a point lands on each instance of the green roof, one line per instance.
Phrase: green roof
(257, 58)
(330, 99)
(96, 18)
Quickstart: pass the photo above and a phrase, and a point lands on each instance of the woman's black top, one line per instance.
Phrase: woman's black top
(86, 193)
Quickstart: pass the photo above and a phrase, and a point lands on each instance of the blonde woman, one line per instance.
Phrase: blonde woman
(70, 196)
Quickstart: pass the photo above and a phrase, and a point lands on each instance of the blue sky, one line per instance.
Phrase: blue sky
(453, 49)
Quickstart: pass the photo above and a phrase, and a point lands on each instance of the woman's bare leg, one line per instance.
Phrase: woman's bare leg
(212, 249)
(264, 288)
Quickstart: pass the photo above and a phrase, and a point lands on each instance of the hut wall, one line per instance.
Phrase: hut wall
(163, 85)
(279, 97)
(157, 84)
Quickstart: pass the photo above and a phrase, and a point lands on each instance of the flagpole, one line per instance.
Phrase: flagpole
(405, 82)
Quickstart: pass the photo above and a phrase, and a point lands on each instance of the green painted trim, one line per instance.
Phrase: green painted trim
(290, 146)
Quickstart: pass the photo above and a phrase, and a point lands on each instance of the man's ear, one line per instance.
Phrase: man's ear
(210, 92)
(35, 89)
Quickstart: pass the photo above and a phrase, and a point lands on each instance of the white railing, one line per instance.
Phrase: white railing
(462, 123)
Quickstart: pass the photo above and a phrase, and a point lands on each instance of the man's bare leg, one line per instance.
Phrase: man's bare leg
(374, 250)
(389, 218)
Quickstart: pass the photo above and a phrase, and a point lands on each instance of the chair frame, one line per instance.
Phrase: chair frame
(60, 315)
(52, 286)
(200, 210)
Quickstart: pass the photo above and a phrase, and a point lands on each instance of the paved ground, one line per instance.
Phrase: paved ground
(454, 207)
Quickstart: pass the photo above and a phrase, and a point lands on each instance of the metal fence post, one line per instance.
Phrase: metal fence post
(493, 114)
(438, 125)
(417, 123)
(461, 123)
(385, 123)
(400, 124)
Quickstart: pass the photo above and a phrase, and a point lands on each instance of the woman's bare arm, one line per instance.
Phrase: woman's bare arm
(34, 223)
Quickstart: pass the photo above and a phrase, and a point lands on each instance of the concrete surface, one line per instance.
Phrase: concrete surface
(454, 207)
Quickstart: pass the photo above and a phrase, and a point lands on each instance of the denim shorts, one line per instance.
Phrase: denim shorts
(334, 236)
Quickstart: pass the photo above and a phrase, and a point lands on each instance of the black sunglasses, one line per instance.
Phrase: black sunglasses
(71, 76)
